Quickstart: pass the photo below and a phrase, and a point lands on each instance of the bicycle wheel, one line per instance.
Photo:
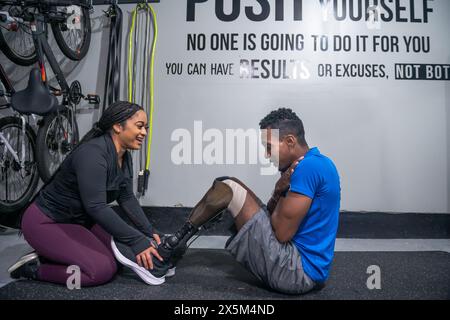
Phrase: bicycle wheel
(74, 35)
(16, 40)
(57, 135)
(18, 174)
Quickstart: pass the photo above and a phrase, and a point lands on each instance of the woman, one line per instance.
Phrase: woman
(70, 222)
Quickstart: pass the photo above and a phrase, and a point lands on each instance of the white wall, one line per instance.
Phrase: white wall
(389, 138)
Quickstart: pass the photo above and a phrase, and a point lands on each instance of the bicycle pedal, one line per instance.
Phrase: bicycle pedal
(12, 26)
(93, 99)
(57, 92)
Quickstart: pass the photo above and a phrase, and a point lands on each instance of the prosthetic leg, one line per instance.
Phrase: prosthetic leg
(225, 193)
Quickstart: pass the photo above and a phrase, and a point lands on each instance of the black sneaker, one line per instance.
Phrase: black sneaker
(175, 253)
(171, 271)
(26, 267)
(126, 256)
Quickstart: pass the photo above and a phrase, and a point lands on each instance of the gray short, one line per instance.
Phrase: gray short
(278, 265)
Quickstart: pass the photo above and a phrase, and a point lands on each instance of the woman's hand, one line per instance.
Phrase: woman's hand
(144, 259)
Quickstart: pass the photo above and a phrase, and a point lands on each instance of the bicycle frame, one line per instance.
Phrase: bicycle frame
(10, 90)
(10, 148)
(43, 50)
(38, 20)
(6, 82)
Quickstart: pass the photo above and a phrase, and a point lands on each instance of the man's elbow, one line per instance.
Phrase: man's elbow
(283, 237)
(281, 234)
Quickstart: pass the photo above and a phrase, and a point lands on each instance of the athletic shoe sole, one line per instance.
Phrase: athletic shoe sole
(171, 272)
(23, 260)
(143, 273)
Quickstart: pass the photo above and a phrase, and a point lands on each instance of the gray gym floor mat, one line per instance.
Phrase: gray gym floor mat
(206, 274)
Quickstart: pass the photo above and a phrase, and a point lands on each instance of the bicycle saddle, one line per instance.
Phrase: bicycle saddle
(35, 98)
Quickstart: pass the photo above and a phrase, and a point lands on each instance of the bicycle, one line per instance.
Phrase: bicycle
(18, 164)
(58, 131)
(69, 21)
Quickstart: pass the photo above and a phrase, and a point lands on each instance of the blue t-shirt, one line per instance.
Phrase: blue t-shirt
(317, 178)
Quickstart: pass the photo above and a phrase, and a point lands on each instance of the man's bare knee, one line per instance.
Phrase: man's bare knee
(250, 206)
(252, 194)
(244, 200)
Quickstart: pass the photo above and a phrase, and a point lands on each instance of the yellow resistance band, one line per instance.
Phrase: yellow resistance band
(152, 89)
(152, 75)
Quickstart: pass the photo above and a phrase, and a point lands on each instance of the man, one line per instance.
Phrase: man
(288, 243)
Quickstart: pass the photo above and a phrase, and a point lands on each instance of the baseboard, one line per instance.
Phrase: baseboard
(375, 225)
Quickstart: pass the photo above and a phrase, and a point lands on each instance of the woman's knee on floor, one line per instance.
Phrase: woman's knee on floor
(102, 271)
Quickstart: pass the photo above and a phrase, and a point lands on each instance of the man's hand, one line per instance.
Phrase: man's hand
(281, 186)
(284, 182)
(144, 259)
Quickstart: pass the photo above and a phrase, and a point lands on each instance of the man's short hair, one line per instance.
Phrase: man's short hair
(287, 122)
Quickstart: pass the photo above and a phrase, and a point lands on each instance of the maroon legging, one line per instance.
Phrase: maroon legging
(69, 244)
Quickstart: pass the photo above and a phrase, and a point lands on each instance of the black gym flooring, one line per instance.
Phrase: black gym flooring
(213, 274)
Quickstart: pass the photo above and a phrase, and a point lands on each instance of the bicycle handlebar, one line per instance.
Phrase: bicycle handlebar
(62, 3)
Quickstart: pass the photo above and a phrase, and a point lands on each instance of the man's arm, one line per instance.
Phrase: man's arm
(288, 214)
(272, 203)
(282, 186)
